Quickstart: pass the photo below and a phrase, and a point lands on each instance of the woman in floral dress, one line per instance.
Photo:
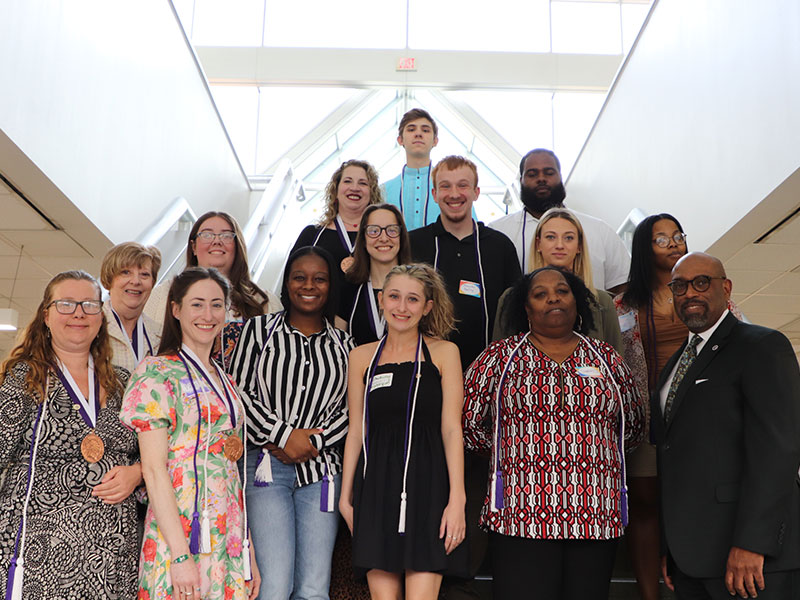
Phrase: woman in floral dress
(190, 422)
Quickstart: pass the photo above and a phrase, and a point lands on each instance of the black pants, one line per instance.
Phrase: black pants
(782, 585)
(551, 569)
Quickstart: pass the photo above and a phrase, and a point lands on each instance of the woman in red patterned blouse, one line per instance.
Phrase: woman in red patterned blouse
(568, 412)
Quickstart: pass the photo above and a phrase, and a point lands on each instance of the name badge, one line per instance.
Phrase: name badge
(469, 288)
(381, 381)
(589, 371)
(627, 321)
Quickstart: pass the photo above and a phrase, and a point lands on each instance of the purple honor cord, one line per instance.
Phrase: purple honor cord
(227, 398)
(73, 392)
(194, 538)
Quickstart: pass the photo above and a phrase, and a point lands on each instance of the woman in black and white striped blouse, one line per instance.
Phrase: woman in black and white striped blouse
(292, 367)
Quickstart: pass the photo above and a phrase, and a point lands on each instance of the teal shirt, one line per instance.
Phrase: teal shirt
(417, 196)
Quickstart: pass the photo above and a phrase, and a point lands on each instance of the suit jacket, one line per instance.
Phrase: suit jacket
(122, 356)
(728, 456)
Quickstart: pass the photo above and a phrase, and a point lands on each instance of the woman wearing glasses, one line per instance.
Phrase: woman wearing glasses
(67, 516)
(382, 243)
(216, 241)
(651, 333)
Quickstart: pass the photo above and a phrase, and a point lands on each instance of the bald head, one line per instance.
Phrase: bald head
(700, 309)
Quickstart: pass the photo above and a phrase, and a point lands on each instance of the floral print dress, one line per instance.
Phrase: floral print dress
(159, 395)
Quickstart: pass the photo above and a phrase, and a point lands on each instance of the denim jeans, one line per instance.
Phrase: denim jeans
(293, 538)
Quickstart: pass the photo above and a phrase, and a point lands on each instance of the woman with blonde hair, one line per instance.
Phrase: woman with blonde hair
(560, 242)
(129, 272)
(216, 240)
(353, 187)
(408, 521)
(68, 524)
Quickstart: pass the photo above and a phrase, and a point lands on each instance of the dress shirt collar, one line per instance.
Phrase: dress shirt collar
(706, 335)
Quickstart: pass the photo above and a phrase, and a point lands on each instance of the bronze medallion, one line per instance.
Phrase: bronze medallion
(233, 448)
(92, 448)
(346, 263)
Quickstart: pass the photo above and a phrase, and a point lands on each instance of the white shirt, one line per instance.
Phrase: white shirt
(704, 337)
(610, 259)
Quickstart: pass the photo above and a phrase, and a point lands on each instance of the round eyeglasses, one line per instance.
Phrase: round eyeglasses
(226, 237)
(374, 231)
(663, 241)
(67, 307)
(700, 284)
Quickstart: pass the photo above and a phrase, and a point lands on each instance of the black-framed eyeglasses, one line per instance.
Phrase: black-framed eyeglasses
(663, 241)
(700, 284)
(68, 307)
(374, 231)
(226, 237)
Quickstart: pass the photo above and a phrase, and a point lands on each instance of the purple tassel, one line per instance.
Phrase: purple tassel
(10, 582)
(256, 481)
(498, 491)
(323, 497)
(624, 506)
(194, 538)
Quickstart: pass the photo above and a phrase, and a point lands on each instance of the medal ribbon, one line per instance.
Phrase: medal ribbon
(225, 396)
(90, 408)
(135, 344)
(343, 237)
(377, 321)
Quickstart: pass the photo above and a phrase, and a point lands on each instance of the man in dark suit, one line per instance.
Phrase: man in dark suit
(726, 418)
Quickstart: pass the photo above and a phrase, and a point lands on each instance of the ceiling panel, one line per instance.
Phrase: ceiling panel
(786, 284)
(763, 303)
(771, 320)
(765, 257)
(749, 282)
(789, 233)
(46, 243)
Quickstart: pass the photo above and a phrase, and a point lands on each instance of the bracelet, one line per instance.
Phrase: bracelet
(180, 559)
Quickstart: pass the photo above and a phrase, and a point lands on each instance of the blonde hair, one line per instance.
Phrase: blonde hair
(128, 254)
(34, 347)
(332, 189)
(440, 321)
(582, 264)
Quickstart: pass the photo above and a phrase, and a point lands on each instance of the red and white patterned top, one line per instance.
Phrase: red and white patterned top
(559, 432)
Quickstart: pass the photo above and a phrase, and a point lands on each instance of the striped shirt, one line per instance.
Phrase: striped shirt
(290, 380)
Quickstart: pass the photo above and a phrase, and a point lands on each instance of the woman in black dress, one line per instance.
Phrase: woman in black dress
(403, 480)
(67, 515)
(382, 244)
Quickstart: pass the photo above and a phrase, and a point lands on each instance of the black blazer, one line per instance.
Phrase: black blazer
(728, 457)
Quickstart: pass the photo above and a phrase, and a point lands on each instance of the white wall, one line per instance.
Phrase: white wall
(105, 98)
(703, 121)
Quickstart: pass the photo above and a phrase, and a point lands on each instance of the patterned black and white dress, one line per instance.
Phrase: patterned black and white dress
(77, 547)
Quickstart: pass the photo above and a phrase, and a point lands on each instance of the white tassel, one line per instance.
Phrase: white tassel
(264, 469)
(493, 494)
(19, 573)
(331, 493)
(401, 528)
(248, 575)
(205, 534)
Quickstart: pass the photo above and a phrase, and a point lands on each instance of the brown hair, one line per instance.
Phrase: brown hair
(359, 271)
(34, 347)
(247, 299)
(451, 163)
(440, 321)
(581, 265)
(172, 335)
(129, 254)
(332, 189)
(413, 115)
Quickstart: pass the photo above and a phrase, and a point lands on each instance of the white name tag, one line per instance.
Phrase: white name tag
(627, 321)
(469, 288)
(381, 381)
(589, 371)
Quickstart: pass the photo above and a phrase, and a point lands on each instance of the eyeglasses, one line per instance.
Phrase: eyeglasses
(226, 237)
(700, 284)
(374, 231)
(663, 241)
(67, 307)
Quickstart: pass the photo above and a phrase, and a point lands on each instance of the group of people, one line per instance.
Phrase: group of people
(442, 387)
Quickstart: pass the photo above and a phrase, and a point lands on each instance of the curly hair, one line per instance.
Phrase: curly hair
(358, 272)
(35, 349)
(518, 300)
(332, 189)
(172, 335)
(247, 299)
(440, 321)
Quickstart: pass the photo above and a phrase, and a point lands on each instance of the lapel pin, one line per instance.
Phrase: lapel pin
(715, 347)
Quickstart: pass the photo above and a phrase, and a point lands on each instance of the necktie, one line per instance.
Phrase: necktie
(685, 361)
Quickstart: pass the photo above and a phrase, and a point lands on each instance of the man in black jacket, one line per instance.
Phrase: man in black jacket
(726, 417)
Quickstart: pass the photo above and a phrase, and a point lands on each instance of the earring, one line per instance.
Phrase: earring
(580, 323)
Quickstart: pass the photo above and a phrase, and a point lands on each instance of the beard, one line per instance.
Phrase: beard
(695, 321)
(538, 204)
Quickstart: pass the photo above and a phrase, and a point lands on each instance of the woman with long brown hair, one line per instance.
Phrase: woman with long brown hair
(68, 517)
